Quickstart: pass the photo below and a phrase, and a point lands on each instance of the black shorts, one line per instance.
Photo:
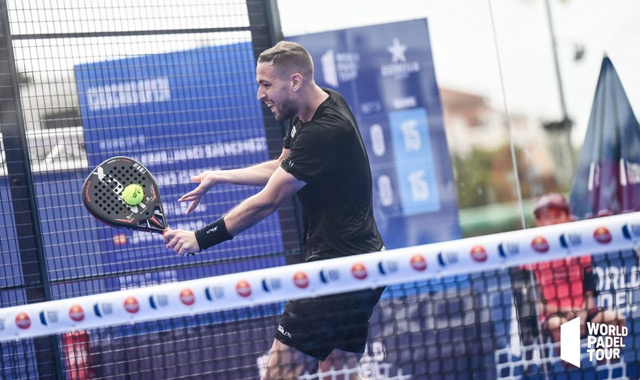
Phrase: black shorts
(316, 326)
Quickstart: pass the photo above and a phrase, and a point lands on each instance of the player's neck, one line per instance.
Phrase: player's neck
(314, 98)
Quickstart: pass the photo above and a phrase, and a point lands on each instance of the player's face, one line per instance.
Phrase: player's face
(552, 215)
(274, 91)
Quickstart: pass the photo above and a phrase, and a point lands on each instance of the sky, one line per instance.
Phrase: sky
(466, 54)
(461, 33)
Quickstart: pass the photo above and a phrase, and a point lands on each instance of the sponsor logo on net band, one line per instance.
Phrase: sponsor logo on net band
(540, 244)
(76, 313)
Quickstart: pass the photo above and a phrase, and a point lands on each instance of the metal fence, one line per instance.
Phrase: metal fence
(164, 81)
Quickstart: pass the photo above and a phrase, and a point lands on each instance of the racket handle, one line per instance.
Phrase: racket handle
(186, 254)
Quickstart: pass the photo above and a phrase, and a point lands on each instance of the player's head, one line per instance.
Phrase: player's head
(552, 208)
(282, 71)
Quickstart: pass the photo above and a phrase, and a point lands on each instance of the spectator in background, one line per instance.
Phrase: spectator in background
(567, 287)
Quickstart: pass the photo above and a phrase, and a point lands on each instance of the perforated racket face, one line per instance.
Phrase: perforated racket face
(102, 195)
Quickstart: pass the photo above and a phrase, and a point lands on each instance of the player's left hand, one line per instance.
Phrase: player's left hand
(181, 241)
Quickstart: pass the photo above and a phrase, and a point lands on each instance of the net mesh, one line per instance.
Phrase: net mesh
(491, 324)
(78, 66)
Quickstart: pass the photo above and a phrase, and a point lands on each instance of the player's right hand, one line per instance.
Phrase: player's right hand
(206, 180)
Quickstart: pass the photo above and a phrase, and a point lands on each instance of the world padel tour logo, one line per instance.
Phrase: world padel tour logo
(478, 253)
(570, 240)
(76, 313)
(602, 235)
(540, 244)
(301, 280)
(103, 309)
(23, 321)
(604, 341)
(359, 271)
(329, 275)
(386, 267)
(631, 231)
(339, 67)
(214, 293)
(243, 288)
(418, 263)
(187, 297)
(446, 258)
(271, 284)
(506, 249)
(131, 305)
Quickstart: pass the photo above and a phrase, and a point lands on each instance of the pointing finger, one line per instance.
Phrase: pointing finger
(192, 206)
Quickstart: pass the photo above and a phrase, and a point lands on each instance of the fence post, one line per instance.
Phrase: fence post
(264, 22)
(22, 189)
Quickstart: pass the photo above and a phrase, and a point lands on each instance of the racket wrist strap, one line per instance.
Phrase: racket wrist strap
(212, 234)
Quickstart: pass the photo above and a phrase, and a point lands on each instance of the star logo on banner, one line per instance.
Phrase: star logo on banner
(397, 51)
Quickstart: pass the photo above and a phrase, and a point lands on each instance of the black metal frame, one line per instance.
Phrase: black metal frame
(266, 31)
(264, 26)
(25, 211)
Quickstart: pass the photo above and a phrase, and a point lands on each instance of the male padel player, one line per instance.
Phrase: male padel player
(324, 161)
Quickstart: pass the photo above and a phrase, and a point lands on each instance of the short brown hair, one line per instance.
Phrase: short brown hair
(289, 57)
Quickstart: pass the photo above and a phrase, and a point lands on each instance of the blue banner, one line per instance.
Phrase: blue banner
(178, 113)
(386, 74)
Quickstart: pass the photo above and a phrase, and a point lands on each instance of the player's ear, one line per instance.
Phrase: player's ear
(296, 81)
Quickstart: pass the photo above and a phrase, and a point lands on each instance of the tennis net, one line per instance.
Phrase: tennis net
(474, 308)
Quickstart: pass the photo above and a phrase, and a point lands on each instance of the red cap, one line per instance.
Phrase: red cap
(551, 200)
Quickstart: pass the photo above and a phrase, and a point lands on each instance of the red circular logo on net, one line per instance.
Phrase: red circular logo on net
(243, 288)
(478, 253)
(301, 280)
(23, 321)
(418, 263)
(187, 297)
(359, 271)
(540, 244)
(131, 305)
(76, 313)
(602, 235)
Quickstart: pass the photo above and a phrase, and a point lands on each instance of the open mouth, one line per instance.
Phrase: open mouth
(271, 106)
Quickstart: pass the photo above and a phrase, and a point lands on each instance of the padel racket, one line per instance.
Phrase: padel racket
(102, 195)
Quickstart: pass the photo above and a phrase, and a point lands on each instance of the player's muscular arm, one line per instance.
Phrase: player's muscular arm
(256, 175)
(281, 186)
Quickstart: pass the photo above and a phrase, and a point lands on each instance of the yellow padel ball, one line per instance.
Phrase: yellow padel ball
(133, 194)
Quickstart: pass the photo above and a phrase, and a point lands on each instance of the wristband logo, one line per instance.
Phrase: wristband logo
(1, 324)
(131, 305)
(48, 317)
(631, 231)
(602, 235)
(157, 301)
(271, 284)
(506, 249)
(301, 280)
(387, 267)
(540, 244)
(102, 309)
(76, 313)
(23, 321)
(214, 293)
(418, 262)
(329, 275)
(243, 288)
(570, 240)
(479, 254)
(447, 258)
(359, 271)
(187, 297)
